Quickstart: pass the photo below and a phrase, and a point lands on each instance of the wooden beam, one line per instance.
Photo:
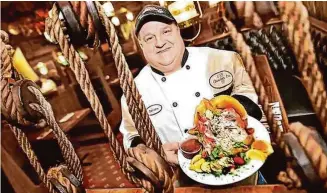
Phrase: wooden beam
(318, 24)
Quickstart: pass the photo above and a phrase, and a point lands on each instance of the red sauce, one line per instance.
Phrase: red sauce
(191, 145)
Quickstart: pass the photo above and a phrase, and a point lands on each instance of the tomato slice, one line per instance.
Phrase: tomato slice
(204, 154)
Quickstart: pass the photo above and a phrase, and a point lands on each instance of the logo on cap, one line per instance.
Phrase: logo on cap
(152, 9)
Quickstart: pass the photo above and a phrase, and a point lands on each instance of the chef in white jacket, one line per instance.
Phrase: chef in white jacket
(176, 79)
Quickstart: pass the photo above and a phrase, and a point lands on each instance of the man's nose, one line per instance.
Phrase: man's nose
(160, 42)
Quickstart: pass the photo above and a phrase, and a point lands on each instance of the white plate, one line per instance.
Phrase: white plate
(260, 133)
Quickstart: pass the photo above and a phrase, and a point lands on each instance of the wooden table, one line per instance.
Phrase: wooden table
(46, 134)
(241, 189)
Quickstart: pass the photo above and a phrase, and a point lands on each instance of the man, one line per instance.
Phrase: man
(176, 79)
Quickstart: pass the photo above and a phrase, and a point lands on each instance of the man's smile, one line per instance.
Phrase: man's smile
(164, 50)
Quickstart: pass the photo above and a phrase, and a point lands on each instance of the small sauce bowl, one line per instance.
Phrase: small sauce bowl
(190, 147)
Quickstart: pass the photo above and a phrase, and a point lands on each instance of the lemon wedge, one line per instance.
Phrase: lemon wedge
(195, 159)
(197, 165)
(256, 155)
(263, 146)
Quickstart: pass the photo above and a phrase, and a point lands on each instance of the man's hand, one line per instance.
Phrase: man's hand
(171, 152)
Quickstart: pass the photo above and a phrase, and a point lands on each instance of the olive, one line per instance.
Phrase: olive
(226, 170)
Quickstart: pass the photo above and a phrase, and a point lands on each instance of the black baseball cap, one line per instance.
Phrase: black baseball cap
(153, 13)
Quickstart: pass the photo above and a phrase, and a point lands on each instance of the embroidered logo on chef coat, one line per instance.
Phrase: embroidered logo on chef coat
(154, 109)
(221, 79)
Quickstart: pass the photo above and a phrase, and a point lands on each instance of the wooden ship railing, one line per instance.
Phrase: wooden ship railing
(23, 106)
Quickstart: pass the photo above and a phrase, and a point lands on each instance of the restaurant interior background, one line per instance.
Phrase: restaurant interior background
(41, 61)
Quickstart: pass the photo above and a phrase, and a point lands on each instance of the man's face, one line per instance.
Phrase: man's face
(162, 45)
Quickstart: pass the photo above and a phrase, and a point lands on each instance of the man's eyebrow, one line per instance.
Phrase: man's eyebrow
(167, 27)
(147, 34)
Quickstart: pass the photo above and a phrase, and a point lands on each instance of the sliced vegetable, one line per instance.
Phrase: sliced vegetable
(195, 159)
(204, 154)
(215, 166)
(237, 150)
(238, 144)
(239, 160)
(206, 167)
(248, 140)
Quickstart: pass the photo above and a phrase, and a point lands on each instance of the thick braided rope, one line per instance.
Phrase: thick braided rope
(154, 167)
(295, 17)
(136, 116)
(313, 149)
(246, 55)
(245, 51)
(55, 31)
(27, 149)
(7, 104)
(65, 145)
(128, 85)
(55, 173)
(289, 178)
(14, 115)
(86, 21)
(9, 108)
(6, 55)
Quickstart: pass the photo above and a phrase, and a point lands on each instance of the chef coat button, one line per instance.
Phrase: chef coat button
(175, 104)
(185, 130)
(163, 79)
(188, 67)
(197, 94)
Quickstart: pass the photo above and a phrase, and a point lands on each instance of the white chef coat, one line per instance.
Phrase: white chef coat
(171, 100)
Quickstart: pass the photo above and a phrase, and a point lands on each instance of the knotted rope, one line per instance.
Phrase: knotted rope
(56, 33)
(295, 18)
(54, 173)
(67, 149)
(10, 111)
(64, 181)
(8, 107)
(151, 160)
